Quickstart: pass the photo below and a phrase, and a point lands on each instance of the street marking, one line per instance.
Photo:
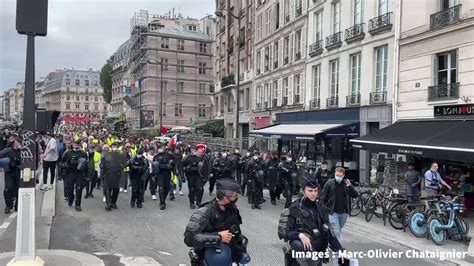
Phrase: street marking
(165, 253)
(4, 225)
(13, 215)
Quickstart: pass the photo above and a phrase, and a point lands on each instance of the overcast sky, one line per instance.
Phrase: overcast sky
(81, 33)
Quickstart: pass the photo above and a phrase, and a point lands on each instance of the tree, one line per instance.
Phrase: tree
(214, 127)
(106, 80)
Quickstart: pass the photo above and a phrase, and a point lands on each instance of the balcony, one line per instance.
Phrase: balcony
(286, 60)
(315, 103)
(259, 106)
(287, 18)
(379, 97)
(298, 56)
(274, 103)
(355, 33)
(299, 11)
(332, 102)
(275, 65)
(258, 71)
(266, 105)
(353, 99)
(316, 48)
(284, 101)
(241, 77)
(227, 80)
(445, 17)
(334, 41)
(296, 99)
(380, 24)
(443, 92)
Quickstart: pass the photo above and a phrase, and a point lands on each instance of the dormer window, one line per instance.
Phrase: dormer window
(192, 27)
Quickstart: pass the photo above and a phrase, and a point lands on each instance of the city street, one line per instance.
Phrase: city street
(148, 234)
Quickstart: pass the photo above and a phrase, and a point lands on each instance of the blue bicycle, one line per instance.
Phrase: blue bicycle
(447, 224)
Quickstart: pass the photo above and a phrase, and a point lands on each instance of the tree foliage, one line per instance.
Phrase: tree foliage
(214, 127)
(106, 79)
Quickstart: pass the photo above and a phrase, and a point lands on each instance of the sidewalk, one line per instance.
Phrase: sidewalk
(376, 229)
(59, 257)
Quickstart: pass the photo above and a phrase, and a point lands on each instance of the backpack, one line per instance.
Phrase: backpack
(282, 224)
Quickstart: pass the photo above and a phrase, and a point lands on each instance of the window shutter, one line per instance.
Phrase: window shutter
(279, 92)
(292, 48)
(292, 9)
(281, 48)
(435, 70)
(303, 43)
(290, 90)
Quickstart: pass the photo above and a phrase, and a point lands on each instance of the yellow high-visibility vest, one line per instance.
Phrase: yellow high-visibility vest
(97, 157)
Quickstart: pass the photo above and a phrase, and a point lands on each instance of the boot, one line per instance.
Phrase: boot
(7, 210)
(108, 207)
(78, 208)
(257, 206)
(192, 206)
(114, 206)
(274, 202)
(162, 206)
(139, 205)
(132, 204)
(86, 196)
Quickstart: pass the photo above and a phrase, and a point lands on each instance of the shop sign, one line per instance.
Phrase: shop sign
(411, 152)
(454, 110)
(304, 138)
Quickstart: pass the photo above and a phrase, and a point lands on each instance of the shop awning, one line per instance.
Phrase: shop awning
(436, 139)
(305, 131)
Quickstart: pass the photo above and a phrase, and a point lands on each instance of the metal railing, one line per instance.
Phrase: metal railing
(380, 23)
(355, 32)
(275, 65)
(443, 92)
(379, 97)
(284, 101)
(286, 60)
(296, 99)
(299, 11)
(333, 40)
(315, 103)
(332, 101)
(316, 48)
(298, 55)
(353, 99)
(445, 17)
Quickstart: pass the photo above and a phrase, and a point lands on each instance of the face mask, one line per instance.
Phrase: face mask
(233, 202)
(248, 154)
(289, 159)
(160, 151)
(76, 148)
(255, 157)
(236, 151)
(224, 155)
(139, 155)
(324, 167)
(338, 178)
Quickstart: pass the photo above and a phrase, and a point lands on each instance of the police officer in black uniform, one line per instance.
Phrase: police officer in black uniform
(307, 226)
(287, 172)
(323, 174)
(12, 172)
(256, 176)
(217, 222)
(166, 165)
(75, 169)
(274, 186)
(138, 168)
(191, 167)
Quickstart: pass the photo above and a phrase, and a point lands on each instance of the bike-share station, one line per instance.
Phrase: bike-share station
(446, 140)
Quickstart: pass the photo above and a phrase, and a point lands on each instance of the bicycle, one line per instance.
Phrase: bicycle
(359, 204)
(418, 218)
(379, 199)
(447, 223)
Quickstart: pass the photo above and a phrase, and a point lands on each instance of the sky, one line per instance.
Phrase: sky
(81, 33)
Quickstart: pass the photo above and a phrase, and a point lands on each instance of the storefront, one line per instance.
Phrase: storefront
(447, 139)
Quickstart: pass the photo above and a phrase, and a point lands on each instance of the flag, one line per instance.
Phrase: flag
(175, 139)
(136, 84)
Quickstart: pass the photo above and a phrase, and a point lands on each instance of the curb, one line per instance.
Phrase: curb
(51, 256)
(470, 252)
(48, 211)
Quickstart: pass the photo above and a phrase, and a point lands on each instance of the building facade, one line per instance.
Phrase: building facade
(234, 47)
(74, 93)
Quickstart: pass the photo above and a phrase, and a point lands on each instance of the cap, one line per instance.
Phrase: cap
(228, 184)
(310, 181)
(78, 142)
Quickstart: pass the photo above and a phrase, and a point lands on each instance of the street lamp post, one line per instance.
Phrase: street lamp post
(154, 61)
(219, 13)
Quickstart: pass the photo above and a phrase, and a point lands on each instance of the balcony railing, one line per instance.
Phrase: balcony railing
(379, 97)
(298, 56)
(316, 48)
(258, 71)
(315, 103)
(334, 41)
(285, 101)
(259, 106)
(299, 11)
(227, 80)
(355, 33)
(275, 65)
(274, 103)
(266, 105)
(445, 17)
(353, 99)
(443, 92)
(296, 99)
(287, 18)
(241, 76)
(286, 60)
(332, 102)
(380, 23)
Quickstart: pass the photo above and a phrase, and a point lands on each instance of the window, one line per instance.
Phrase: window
(286, 10)
(267, 21)
(68, 82)
(164, 109)
(181, 45)
(77, 82)
(336, 17)
(381, 54)
(446, 4)
(202, 88)
(446, 68)
(178, 109)
(358, 12)
(299, 6)
(77, 106)
(165, 42)
(87, 91)
(266, 96)
(203, 47)
(318, 20)
(202, 68)
(96, 98)
(86, 107)
(68, 106)
(68, 98)
(277, 15)
(87, 82)
(355, 74)
(164, 63)
(95, 83)
(298, 45)
(87, 98)
(285, 91)
(275, 55)
(259, 26)
(77, 98)
(286, 49)
(267, 59)
(96, 107)
(275, 93)
(192, 27)
(258, 100)
(181, 66)
(383, 7)
(67, 89)
(164, 85)
(316, 81)
(259, 61)
(334, 78)
(96, 90)
(202, 110)
(297, 89)
(180, 86)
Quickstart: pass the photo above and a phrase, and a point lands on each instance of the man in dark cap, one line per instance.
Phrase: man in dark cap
(75, 168)
(307, 226)
(216, 222)
(12, 173)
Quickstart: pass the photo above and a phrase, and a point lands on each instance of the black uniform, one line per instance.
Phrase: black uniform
(191, 167)
(138, 168)
(244, 164)
(274, 186)
(323, 176)
(235, 167)
(256, 176)
(12, 177)
(166, 165)
(287, 170)
(75, 178)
